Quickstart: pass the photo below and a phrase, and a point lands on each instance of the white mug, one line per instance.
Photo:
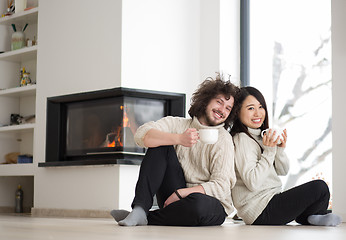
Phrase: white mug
(208, 135)
(278, 132)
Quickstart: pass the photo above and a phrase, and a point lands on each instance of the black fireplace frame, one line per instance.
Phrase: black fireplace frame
(57, 110)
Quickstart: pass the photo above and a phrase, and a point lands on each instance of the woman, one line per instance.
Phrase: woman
(259, 161)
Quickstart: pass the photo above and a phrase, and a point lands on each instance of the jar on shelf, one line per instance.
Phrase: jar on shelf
(18, 40)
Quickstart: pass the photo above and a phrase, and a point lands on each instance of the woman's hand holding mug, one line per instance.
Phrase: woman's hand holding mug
(274, 136)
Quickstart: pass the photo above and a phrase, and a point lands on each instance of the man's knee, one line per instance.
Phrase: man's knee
(208, 210)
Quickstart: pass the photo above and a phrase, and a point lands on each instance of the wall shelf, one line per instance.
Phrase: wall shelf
(20, 55)
(24, 91)
(29, 16)
(19, 169)
(18, 128)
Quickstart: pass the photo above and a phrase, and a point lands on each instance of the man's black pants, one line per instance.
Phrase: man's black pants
(161, 174)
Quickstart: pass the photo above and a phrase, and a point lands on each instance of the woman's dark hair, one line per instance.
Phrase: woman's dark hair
(208, 90)
(238, 126)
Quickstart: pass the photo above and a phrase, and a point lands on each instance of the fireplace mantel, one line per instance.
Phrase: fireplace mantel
(90, 162)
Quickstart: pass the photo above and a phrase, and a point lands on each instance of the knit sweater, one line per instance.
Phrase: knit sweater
(208, 165)
(257, 174)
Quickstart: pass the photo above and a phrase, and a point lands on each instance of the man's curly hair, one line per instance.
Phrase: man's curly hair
(209, 89)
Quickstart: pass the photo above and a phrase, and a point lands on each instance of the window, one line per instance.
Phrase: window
(289, 60)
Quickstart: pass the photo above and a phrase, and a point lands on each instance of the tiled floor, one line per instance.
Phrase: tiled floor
(14, 227)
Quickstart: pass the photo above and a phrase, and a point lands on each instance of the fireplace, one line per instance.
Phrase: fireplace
(98, 127)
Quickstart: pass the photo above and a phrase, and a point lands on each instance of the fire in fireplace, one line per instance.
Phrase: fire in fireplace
(98, 127)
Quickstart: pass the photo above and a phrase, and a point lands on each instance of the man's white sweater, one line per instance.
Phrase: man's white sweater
(209, 165)
(257, 174)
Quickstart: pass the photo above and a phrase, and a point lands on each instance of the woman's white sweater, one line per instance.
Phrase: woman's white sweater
(209, 165)
(257, 174)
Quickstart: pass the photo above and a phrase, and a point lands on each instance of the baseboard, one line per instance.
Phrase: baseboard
(12, 209)
(71, 213)
(6, 209)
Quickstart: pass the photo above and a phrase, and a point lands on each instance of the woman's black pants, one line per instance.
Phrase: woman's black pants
(161, 173)
(298, 203)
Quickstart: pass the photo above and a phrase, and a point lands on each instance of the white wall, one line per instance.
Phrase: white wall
(88, 187)
(209, 35)
(145, 44)
(161, 45)
(79, 50)
(229, 39)
(182, 40)
(339, 110)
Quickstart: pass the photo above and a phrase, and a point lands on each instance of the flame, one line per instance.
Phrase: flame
(125, 120)
(111, 144)
(125, 123)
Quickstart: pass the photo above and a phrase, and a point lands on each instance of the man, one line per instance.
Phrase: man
(192, 180)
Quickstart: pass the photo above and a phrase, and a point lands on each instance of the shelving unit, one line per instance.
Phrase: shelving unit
(17, 99)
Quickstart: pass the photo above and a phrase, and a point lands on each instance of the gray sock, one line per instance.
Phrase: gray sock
(329, 219)
(119, 215)
(137, 217)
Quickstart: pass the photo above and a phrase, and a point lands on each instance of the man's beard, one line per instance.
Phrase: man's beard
(211, 122)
